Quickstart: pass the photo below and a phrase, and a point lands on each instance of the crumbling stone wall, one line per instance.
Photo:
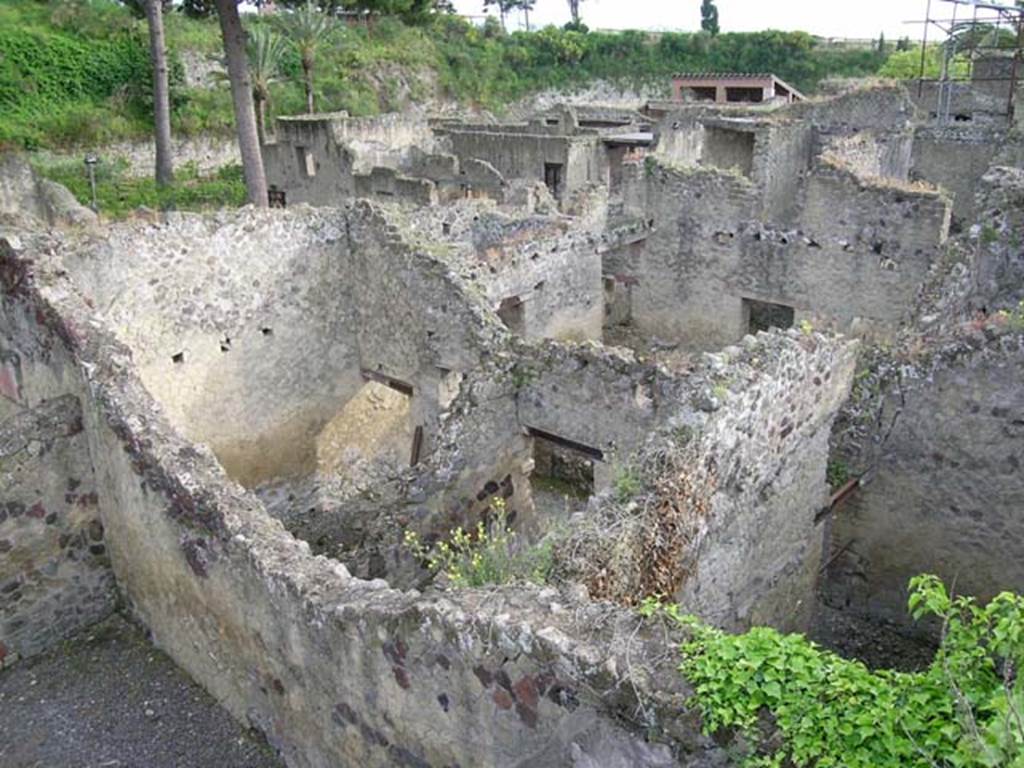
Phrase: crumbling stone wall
(720, 511)
(254, 334)
(955, 158)
(936, 441)
(341, 671)
(858, 270)
(55, 575)
(330, 158)
(523, 154)
(541, 274)
(871, 154)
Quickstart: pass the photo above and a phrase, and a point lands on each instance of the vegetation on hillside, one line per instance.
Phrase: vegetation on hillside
(77, 71)
(119, 194)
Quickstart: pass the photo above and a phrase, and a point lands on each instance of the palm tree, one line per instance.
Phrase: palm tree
(266, 51)
(161, 93)
(233, 34)
(308, 28)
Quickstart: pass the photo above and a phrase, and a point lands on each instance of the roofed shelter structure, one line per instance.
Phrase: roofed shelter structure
(733, 87)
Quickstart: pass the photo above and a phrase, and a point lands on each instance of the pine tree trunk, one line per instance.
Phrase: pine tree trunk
(307, 70)
(241, 94)
(161, 93)
(261, 119)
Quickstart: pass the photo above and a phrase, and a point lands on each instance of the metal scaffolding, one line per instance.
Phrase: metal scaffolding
(971, 31)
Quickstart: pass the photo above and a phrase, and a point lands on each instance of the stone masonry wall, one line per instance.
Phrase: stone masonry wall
(942, 488)
(955, 158)
(55, 575)
(341, 671)
(854, 260)
(252, 331)
(728, 479)
(208, 152)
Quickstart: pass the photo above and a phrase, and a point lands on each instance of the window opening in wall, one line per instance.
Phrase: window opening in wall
(704, 94)
(754, 95)
(762, 315)
(512, 312)
(276, 198)
(553, 178)
(417, 445)
(563, 470)
(267, 331)
(726, 148)
(307, 165)
(178, 358)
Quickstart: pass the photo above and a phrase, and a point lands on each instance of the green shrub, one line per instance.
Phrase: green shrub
(627, 484)
(964, 711)
(68, 60)
(490, 554)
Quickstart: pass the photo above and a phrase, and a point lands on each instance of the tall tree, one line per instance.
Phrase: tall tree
(507, 6)
(266, 52)
(574, 12)
(308, 28)
(709, 17)
(233, 35)
(161, 93)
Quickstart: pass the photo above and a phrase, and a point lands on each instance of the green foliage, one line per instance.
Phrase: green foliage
(837, 473)
(1012, 318)
(118, 194)
(490, 554)
(51, 79)
(85, 62)
(964, 711)
(627, 484)
(906, 64)
(989, 234)
(709, 17)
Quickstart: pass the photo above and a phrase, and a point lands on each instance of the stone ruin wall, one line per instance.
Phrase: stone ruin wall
(332, 668)
(940, 457)
(853, 258)
(55, 576)
(255, 350)
(933, 431)
(751, 425)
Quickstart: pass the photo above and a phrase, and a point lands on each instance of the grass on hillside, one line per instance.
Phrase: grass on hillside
(76, 72)
(118, 194)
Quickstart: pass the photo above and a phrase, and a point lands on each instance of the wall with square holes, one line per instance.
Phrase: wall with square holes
(253, 332)
(853, 258)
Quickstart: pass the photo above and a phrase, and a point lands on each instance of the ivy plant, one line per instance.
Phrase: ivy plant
(794, 703)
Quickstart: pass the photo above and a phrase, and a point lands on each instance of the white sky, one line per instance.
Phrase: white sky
(829, 18)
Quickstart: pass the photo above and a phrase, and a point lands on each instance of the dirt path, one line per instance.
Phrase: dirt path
(109, 699)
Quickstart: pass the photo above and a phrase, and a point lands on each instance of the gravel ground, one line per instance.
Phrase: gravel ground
(109, 699)
(878, 645)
